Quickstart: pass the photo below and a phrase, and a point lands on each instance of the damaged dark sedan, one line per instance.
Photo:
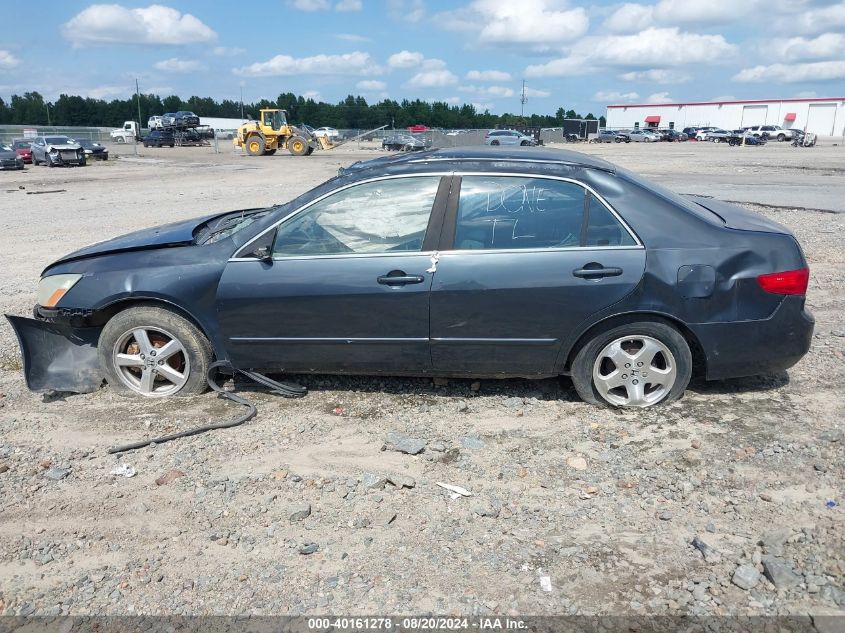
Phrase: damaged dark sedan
(477, 262)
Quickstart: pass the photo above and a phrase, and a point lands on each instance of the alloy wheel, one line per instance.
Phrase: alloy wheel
(634, 371)
(151, 361)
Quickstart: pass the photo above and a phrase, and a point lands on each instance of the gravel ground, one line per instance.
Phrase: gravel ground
(313, 507)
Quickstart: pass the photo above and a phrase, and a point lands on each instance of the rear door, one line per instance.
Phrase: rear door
(347, 289)
(524, 261)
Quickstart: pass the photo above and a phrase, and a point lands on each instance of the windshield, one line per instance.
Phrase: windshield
(57, 140)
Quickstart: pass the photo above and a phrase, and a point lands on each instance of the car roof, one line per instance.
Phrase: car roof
(504, 159)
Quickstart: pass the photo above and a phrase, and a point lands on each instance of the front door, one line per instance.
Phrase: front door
(532, 258)
(347, 289)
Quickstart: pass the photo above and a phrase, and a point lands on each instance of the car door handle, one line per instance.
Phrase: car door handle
(399, 278)
(596, 272)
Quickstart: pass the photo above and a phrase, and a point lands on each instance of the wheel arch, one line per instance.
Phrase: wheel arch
(699, 358)
(107, 312)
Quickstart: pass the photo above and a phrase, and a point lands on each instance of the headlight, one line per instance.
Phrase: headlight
(51, 289)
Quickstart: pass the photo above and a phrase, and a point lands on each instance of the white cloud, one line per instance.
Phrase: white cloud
(104, 92)
(612, 97)
(483, 107)
(722, 98)
(793, 73)
(371, 85)
(659, 97)
(226, 51)
(812, 21)
(356, 63)
(529, 22)
(175, 65)
(312, 94)
(406, 10)
(488, 75)
(630, 18)
(349, 5)
(633, 17)
(309, 5)
(657, 75)
(488, 91)
(116, 24)
(825, 46)
(432, 79)
(652, 47)
(352, 37)
(405, 59)
(7, 60)
(539, 94)
(806, 94)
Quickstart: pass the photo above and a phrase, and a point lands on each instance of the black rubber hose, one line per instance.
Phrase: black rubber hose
(285, 389)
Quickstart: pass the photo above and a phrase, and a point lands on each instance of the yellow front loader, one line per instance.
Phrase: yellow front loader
(273, 132)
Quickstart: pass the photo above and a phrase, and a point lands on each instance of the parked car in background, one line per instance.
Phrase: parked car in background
(93, 149)
(168, 119)
(57, 150)
(662, 135)
(643, 136)
(183, 118)
(478, 262)
(23, 148)
(701, 133)
(675, 136)
(9, 158)
(404, 142)
(717, 136)
(419, 127)
(610, 136)
(160, 138)
(740, 137)
(508, 137)
(774, 132)
(328, 132)
(154, 123)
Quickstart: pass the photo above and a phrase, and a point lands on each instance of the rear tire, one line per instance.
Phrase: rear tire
(130, 367)
(622, 382)
(781, 137)
(494, 142)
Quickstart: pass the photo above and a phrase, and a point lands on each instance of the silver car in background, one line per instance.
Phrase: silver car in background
(57, 150)
(643, 136)
(508, 137)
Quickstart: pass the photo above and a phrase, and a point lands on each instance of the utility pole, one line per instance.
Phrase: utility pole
(522, 100)
(47, 105)
(138, 99)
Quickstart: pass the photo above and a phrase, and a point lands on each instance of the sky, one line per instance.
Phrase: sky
(569, 53)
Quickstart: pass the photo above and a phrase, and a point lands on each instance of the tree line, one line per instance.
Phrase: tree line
(351, 113)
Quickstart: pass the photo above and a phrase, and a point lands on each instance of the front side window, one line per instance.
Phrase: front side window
(511, 212)
(377, 217)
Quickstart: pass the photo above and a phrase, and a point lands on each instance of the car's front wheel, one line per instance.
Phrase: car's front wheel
(633, 365)
(154, 352)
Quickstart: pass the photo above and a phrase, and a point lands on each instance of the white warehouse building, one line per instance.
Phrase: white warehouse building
(824, 117)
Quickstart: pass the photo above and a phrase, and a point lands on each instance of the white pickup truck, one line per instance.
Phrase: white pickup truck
(127, 134)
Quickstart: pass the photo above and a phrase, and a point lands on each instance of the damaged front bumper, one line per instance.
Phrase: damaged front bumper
(57, 356)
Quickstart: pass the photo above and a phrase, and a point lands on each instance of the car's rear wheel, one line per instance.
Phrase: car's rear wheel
(154, 352)
(781, 137)
(633, 365)
(494, 142)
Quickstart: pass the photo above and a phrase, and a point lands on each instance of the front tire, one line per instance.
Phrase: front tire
(635, 365)
(255, 146)
(781, 137)
(298, 146)
(154, 352)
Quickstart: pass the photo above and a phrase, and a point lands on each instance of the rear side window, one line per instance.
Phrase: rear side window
(603, 229)
(510, 212)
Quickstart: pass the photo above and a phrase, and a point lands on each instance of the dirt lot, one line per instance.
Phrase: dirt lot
(574, 509)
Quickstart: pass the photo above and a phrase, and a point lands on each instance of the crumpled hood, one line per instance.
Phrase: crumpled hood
(175, 234)
(61, 146)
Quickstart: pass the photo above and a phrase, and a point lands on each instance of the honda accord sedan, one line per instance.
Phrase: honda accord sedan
(480, 262)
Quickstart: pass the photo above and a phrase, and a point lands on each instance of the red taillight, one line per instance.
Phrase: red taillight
(790, 282)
